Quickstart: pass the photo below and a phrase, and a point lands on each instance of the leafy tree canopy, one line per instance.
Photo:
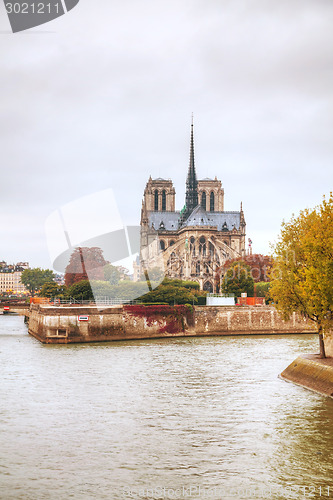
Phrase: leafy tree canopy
(180, 283)
(302, 274)
(170, 294)
(51, 289)
(34, 279)
(238, 280)
(80, 291)
(260, 266)
(262, 290)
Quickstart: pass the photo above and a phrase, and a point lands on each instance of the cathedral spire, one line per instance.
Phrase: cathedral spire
(191, 182)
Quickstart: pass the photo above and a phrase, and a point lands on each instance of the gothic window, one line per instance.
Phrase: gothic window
(156, 200)
(163, 200)
(172, 243)
(162, 245)
(208, 287)
(203, 200)
(192, 246)
(207, 268)
(211, 249)
(197, 269)
(212, 202)
(202, 246)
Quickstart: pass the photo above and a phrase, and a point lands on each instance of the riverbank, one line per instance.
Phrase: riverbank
(73, 324)
(312, 372)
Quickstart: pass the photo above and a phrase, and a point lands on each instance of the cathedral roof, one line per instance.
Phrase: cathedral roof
(198, 217)
(169, 221)
(220, 220)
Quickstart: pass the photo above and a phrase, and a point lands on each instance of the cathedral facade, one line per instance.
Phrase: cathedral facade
(192, 243)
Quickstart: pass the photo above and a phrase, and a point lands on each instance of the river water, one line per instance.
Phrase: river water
(172, 418)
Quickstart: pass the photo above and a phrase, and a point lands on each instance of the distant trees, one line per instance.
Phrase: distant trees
(34, 279)
(302, 274)
(112, 274)
(154, 274)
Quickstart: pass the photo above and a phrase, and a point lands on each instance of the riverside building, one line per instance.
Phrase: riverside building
(193, 242)
(10, 278)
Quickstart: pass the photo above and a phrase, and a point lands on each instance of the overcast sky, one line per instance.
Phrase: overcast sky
(102, 98)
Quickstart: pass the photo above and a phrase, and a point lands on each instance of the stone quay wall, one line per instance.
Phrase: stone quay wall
(247, 320)
(70, 324)
(311, 372)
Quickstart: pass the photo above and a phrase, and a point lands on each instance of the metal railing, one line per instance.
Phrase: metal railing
(221, 295)
(98, 301)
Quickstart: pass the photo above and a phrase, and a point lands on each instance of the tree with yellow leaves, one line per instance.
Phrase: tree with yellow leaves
(302, 273)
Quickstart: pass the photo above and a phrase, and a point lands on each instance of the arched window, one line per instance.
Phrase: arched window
(202, 245)
(204, 200)
(212, 202)
(211, 249)
(192, 246)
(172, 243)
(197, 269)
(162, 245)
(208, 287)
(156, 200)
(163, 200)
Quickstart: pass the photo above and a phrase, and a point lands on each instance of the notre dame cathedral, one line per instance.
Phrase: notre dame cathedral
(193, 243)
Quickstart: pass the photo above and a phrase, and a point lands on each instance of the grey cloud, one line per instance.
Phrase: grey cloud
(106, 100)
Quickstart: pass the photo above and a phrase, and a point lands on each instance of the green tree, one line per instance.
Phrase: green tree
(34, 279)
(171, 295)
(80, 291)
(238, 280)
(302, 273)
(51, 289)
(262, 290)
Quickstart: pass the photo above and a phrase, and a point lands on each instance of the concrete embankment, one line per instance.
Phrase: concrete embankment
(62, 325)
(311, 372)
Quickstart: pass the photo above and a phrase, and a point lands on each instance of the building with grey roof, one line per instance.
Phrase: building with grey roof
(194, 242)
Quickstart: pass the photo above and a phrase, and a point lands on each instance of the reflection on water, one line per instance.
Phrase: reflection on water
(108, 421)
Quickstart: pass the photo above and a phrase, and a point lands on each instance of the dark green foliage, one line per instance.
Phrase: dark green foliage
(262, 290)
(238, 280)
(80, 291)
(202, 299)
(180, 283)
(171, 294)
(51, 290)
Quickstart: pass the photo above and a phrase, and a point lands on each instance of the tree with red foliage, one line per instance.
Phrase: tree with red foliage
(259, 264)
(85, 263)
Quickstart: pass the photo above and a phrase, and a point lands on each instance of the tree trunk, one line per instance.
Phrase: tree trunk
(321, 342)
